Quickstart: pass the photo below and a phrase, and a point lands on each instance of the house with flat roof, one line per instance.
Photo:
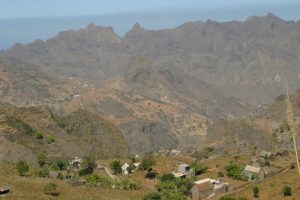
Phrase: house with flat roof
(202, 190)
(254, 172)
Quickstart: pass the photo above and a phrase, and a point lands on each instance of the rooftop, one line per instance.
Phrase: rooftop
(253, 169)
(205, 186)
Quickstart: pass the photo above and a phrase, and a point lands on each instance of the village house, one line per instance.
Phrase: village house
(253, 172)
(75, 163)
(202, 190)
(184, 170)
(124, 168)
(266, 155)
(136, 165)
(183, 159)
(219, 187)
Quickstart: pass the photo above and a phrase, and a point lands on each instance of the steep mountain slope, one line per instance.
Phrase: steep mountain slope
(180, 80)
(62, 137)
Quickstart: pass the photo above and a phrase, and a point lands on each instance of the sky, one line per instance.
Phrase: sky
(26, 20)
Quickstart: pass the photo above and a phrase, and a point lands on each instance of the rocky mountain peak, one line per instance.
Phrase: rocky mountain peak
(136, 30)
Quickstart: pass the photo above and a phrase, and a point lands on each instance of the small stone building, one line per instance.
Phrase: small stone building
(253, 172)
(202, 190)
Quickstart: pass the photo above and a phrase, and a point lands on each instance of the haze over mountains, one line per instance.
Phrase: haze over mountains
(162, 88)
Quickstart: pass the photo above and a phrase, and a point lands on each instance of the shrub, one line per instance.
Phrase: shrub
(39, 135)
(116, 166)
(147, 162)
(85, 171)
(135, 185)
(167, 177)
(92, 180)
(88, 165)
(50, 140)
(42, 159)
(22, 167)
(199, 169)
(255, 192)
(103, 182)
(287, 191)
(44, 172)
(59, 165)
(152, 196)
(51, 189)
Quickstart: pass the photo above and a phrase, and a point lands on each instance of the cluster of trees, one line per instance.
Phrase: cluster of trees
(170, 187)
(56, 165)
(103, 182)
(234, 170)
(147, 162)
(199, 169)
(88, 166)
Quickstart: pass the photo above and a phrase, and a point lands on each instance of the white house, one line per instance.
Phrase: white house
(124, 168)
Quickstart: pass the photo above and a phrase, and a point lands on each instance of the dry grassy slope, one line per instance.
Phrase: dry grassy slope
(256, 131)
(32, 188)
(79, 134)
(238, 136)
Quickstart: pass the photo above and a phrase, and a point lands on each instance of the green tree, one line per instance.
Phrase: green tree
(44, 172)
(42, 159)
(147, 162)
(116, 166)
(255, 191)
(59, 165)
(199, 169)
(51, 189)
(287, 191)
(88, 166)
(22, 167)
(234, 170)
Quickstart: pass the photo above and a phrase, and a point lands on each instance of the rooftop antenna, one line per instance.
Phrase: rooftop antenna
(291, 122)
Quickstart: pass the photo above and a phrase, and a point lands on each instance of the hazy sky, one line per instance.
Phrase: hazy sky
(26, 20)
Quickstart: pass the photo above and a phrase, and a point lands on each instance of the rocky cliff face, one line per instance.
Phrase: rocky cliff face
(180, 79)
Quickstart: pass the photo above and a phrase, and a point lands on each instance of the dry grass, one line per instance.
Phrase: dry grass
(32, 188)
(270, 189)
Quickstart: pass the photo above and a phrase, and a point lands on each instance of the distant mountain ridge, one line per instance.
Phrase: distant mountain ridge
(182, 79)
